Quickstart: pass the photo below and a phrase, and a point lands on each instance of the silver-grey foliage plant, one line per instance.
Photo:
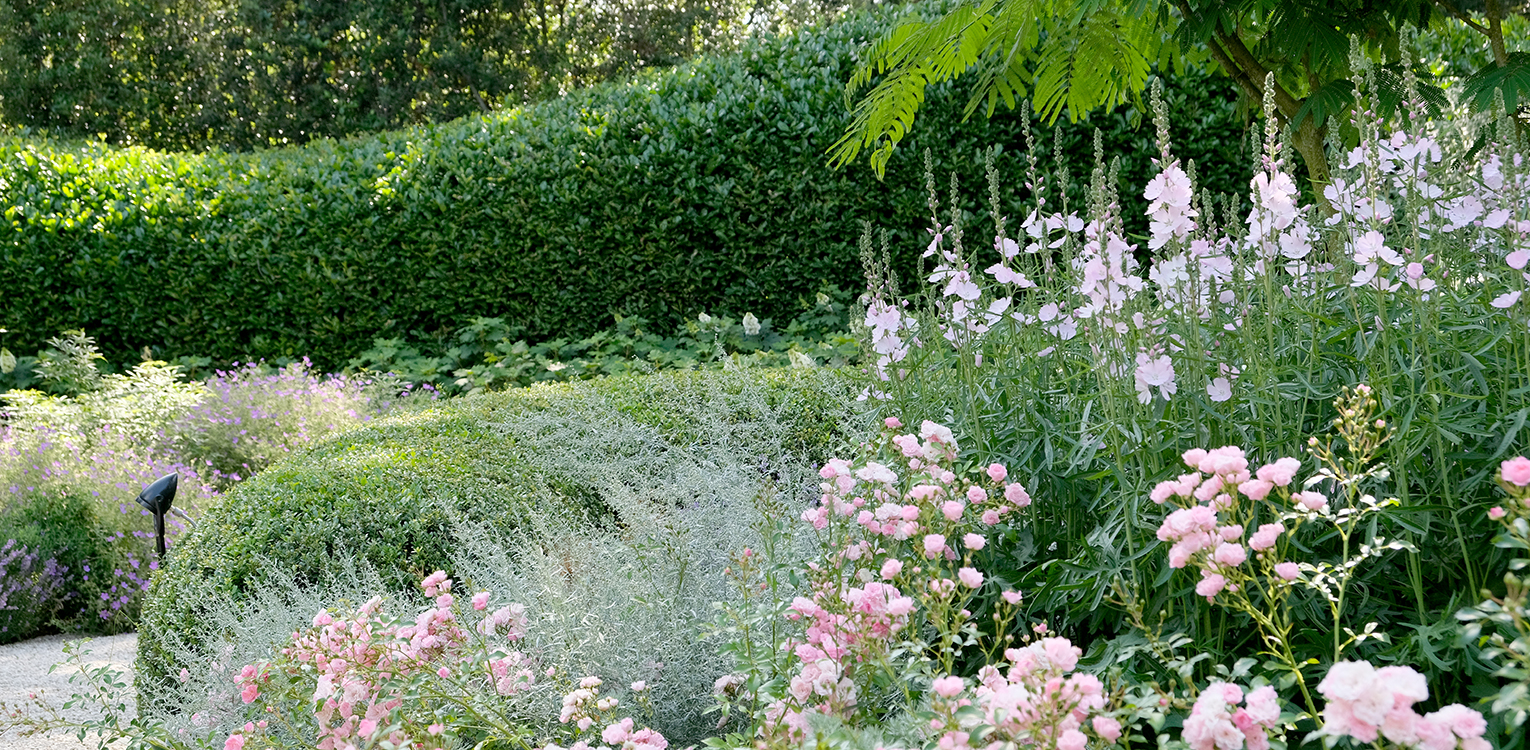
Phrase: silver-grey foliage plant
(625, 601)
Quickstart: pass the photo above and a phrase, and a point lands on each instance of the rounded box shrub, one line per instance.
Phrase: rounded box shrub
(386, 496)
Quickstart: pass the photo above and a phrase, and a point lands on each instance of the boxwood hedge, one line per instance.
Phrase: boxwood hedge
(702, 188)
(386, 496)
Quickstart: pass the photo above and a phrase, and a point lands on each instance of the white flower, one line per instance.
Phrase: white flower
(1005, 275)
(962, 286)
(1371, 247)
(1154, 372)
(1219, 389)
(751, 324)
(1462, 211)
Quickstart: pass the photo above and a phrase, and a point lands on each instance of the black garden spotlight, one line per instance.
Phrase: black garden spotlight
(156, 499)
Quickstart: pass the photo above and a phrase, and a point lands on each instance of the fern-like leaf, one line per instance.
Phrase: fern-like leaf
(1513, 79)
(910, 58)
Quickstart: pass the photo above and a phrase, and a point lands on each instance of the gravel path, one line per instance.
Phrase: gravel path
(24, 670)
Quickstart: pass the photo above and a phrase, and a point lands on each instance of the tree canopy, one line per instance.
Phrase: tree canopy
(1073, 56)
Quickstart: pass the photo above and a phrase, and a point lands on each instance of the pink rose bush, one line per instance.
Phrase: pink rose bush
(900, 531)
(1217, 721)
(1037, 701)
(446, 676)
(1502, 623)
(1514, 478)
(1233, 524)
(1367, 704)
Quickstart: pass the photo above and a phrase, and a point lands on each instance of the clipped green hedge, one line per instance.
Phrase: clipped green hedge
(385, 496)
(703, 188)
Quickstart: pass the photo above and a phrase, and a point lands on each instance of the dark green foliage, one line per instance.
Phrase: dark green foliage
(488, 353)
(386, 496)
(700, 189)
(1512, 79)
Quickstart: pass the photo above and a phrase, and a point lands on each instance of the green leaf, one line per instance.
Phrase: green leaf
(1512, 79)
(1335, 97)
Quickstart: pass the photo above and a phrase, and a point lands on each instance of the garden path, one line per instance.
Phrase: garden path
(24, 670)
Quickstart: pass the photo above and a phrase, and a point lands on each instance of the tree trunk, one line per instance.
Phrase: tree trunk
(1308, 141)
(1495, 33)
(1241, 65)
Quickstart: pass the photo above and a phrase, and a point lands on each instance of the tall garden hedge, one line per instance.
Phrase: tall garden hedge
(702, 188)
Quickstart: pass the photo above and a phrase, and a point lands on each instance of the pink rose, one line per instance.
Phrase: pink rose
(1496, 512)
(1311, 500)
(1061, 653)
(1256, 489)
(891, 569)
(1016, 494)
(1072, 740)
(1210, 585)
(234, 742)
(974, 541)
(948, 687)
(1107, 728)
(1516, 471)
(1286, 570)
(952, 510)
(997, 472)
(1266, 537)
(1231, 555)
(970, 577)
(1281, 472)
(990, 517)
(934, 544)
(893, 423)
(617, 733)
(1463, 722)
(481, 600)
(1163, 491)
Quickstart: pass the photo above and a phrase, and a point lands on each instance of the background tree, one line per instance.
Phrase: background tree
(240, 74)
(1072, 56)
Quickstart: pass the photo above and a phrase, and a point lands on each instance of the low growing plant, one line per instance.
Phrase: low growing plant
(490, 354)
(872, 641)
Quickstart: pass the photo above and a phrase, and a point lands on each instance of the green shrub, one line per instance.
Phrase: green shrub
(699, 189)
(95, 572)
(488, 353)
(393, 496)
